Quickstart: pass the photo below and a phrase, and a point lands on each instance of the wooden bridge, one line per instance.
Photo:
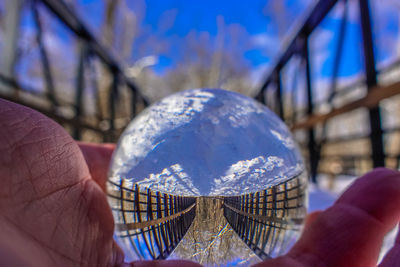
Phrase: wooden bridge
(269, 220)
(154, 223)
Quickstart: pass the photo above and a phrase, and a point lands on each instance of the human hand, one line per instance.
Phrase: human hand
(53, 211)
(351, 232)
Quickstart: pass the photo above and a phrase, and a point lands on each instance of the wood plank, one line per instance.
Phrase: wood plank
(372, 99)
(141, 225)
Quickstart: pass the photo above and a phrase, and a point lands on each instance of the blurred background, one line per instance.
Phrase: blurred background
(330, 69)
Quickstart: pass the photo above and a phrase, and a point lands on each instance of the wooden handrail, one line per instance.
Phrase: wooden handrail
(263, 218)
(372, 99)
(141, 225)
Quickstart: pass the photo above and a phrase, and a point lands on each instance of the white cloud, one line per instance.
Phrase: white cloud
(265, 40)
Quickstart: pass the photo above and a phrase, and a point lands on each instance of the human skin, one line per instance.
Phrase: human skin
(53, 210)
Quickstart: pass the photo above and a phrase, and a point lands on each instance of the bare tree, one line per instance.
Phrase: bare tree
(208, 62)
(10, 26)
(277, 12)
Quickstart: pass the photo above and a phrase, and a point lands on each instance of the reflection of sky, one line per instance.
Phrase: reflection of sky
(203, 142)
(138, 241)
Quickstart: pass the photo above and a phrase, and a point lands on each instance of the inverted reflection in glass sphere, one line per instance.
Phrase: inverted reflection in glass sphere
(207, 175)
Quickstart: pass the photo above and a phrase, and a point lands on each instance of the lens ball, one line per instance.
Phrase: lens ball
(207, 175)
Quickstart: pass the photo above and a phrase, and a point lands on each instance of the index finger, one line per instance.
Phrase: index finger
(97, 157)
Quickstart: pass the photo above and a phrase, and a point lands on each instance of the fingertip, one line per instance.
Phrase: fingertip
(311, 217)
(378, 194)
(97, 157)
(105, 148)
(350, 233)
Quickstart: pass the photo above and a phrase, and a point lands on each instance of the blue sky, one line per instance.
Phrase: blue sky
(170, 22)
(201, 16)
(385, 21)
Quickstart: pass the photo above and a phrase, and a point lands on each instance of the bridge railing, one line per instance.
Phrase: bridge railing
(310, 122)
(152, 223)
(108, 118)
(269, 220)
(101, 100)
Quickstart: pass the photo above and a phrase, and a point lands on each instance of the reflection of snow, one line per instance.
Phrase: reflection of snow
(238, 114)
(286, 140)
(253, 175)
(257, 165)
(172, 180)
(168, 114)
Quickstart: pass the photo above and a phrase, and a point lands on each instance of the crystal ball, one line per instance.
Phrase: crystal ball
(207, 175)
